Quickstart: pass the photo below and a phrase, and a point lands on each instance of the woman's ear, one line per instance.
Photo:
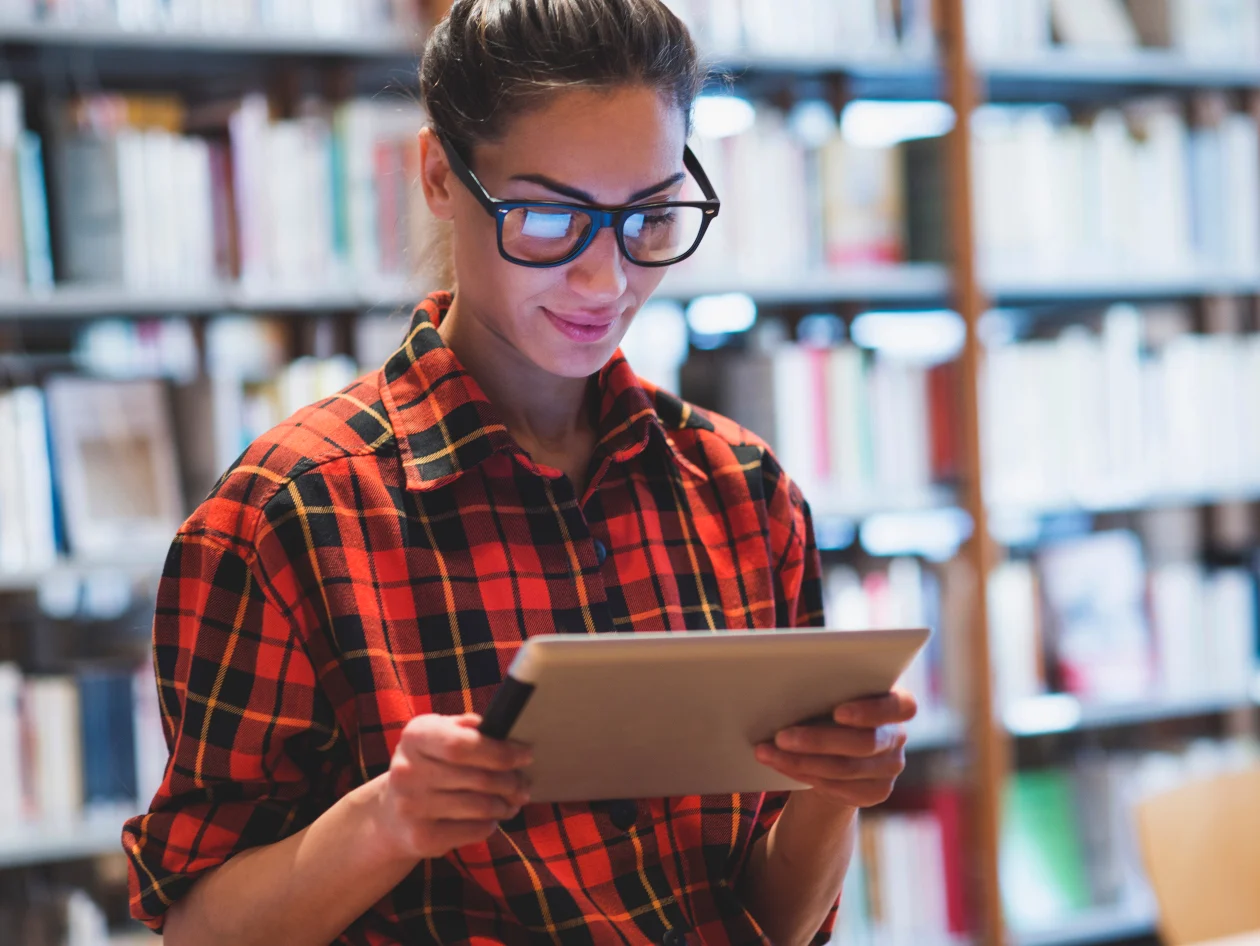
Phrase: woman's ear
(436, 176)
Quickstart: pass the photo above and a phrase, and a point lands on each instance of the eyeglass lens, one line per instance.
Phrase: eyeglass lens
(547, 234)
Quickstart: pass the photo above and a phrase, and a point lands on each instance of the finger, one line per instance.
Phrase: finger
(813, 768)
(513, 785)
(469, 806)
(841, 740)
(438, 739)
(899, 706)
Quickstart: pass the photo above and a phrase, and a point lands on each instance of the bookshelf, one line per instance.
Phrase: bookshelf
(94, 835)
(967, 80)
(369, 45)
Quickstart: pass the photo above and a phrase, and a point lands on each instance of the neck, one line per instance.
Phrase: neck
(537, 406)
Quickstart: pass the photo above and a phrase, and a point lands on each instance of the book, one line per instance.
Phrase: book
(1043, 872)
(115, 469)
(1096, 623)
(12, 805)
(28, 538)
(53, 720)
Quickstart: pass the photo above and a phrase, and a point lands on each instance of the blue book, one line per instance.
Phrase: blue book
(34, 198)
(109, 747)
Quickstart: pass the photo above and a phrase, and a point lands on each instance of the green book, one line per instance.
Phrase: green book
(1043, 870)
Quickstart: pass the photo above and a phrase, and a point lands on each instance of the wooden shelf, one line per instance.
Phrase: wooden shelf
(95, 834)
(71, 569)
(1163, 68)
(1073, 287)
(1061, 712)
(253, 42)
(1126, 502)
(911, 282)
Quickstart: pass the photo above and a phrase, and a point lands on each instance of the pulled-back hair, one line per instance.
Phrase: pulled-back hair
(489, 61)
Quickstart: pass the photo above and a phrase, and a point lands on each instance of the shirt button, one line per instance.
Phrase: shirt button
(674, 938)
(624, 814)
(601, 551)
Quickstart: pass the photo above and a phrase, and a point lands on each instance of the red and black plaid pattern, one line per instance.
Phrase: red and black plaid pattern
(383, 554)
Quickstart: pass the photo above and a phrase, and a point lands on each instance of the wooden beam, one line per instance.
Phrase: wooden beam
(988, 743)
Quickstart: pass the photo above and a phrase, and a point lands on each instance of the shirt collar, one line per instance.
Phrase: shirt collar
(445, 425)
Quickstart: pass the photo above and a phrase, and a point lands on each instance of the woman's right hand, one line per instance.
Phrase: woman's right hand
(448, 785)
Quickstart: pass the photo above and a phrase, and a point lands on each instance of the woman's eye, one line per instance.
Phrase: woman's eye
(637, 223)
(546, 226)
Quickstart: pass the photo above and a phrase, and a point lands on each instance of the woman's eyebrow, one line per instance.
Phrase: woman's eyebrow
(564, 189)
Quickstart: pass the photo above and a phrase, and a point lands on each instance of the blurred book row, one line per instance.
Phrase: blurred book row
(1069, 841)
(1101, 617)
(320, 17)
(903, 592)
(1129, 407)
(856, 429)
(108, 461)
(794, 28)
(1226, 30)
(148, 193)
(74, 744)
(1121, 191)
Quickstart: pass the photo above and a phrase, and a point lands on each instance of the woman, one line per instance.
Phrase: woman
(334, 616)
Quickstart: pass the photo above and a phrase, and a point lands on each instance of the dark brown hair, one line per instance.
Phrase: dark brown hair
(489, 61)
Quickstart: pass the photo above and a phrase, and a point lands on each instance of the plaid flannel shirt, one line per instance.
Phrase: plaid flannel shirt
(383, 554)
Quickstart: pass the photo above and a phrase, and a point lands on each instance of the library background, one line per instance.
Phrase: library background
(986, 276)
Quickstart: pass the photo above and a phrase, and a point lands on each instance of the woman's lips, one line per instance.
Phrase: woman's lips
(580, 331)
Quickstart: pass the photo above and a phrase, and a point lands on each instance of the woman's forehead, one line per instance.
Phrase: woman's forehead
(608, 144)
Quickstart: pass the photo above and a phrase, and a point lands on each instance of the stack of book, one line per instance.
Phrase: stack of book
(1068, 835)
(325, 17)
(1130, 192)
(1137, 409)
(1226, 30)
(855, 430)
(72, 745)
(25, 254)
(1089, 617)
(154, 195)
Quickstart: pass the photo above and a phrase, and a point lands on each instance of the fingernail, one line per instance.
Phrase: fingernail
(787, 738)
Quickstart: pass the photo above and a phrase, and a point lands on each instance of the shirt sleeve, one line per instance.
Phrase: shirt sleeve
(249, 732)
(799, 603)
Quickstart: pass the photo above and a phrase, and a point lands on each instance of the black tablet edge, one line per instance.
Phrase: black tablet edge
(505, 708)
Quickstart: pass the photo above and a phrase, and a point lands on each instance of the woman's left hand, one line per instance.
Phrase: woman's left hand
(855, 757)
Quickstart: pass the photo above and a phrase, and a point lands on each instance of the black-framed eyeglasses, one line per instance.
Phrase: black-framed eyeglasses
(545, 233)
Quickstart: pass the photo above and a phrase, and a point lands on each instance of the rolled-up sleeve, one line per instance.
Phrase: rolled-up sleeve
(249, 732)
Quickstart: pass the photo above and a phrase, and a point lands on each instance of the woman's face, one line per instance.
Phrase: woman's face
(604, 148)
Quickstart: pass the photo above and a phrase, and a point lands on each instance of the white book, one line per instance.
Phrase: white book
(1178, 611)
(1231, 613)
(1240, 142)
(1122, 354)
(1012, 598)
(12, 495)
(1094, 24)
(796, 416)
(848, 413)
(53, 719)
(31, 423)
(12, 807)
(134, 190)
(248, 130)
(152, 754)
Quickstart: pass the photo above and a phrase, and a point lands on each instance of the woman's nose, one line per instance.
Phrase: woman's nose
(600, 272)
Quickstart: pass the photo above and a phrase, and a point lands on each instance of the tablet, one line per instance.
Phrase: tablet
(650, 715)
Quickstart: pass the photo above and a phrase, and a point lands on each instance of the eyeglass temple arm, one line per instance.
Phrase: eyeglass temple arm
(466, 175)
(692, 164)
